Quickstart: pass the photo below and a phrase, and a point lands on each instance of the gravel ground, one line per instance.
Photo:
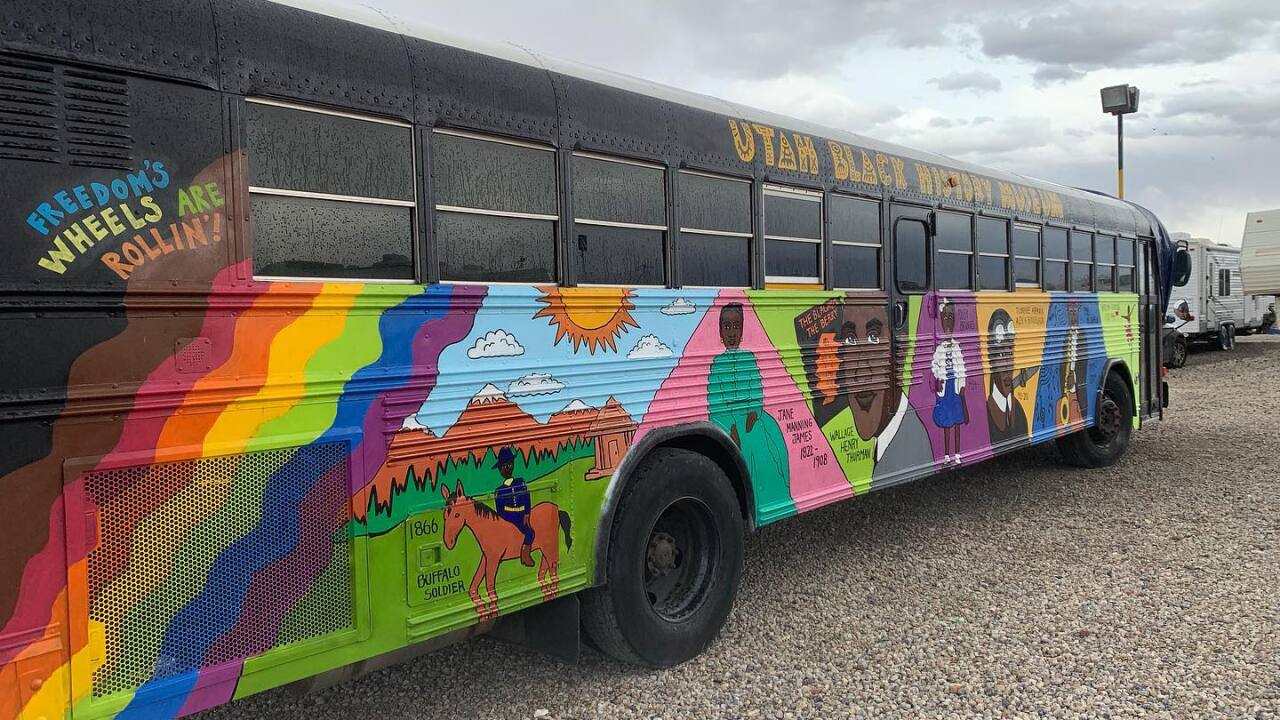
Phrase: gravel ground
(1018, 588)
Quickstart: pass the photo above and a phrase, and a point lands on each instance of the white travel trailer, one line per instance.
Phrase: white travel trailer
(1212, 306)
(1260, 253)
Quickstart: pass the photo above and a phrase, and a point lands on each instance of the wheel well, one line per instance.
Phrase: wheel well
(730, 464)
(1121, 369)
(703, 438)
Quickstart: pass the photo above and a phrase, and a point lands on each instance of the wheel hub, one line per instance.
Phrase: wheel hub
(663, 555)
(1109, 418)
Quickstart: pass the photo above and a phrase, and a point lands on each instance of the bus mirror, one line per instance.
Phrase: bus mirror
(1181, 267)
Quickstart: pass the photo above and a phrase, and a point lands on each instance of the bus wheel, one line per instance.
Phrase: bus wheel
(1105, 441)
(674, 562)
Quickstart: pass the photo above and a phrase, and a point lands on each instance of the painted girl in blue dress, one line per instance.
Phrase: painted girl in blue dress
(950, 411)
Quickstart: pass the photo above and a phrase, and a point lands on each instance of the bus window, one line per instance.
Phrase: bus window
(953, 252)
(715, 230)
(792, 235)
(330, 195)
(620, 221)
(1026, 255)
(1105, 255)
(496, 208)
(1055, 259)
(992, 236)
(855, 243)
(1125, 266)
(911, 255)
(1081, 261)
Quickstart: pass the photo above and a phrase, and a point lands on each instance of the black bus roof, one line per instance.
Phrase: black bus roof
(357, 59)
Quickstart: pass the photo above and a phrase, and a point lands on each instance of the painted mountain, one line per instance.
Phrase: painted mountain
(418, 461)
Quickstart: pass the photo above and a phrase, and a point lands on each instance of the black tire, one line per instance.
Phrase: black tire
(1225, 339)
(677, 531)
(1177, 353)
(1105, 441)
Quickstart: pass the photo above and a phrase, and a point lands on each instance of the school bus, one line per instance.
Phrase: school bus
(328, 341)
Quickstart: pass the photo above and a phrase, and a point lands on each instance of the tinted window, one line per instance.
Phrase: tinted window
(624, 256)
(1124, 251)
(792, 217)
(855, 266)
(1124, 279)
(1081, 247)
(992, 272)
(294, 149)
(492, 248)
(1081, 277)
(954, 232)
(488, 175)
(992, 235)
(951, 271)
(855, 220)
(1026, 272)
(911, 256)
(1105, 251)
(1055, 244)
(496, 177)
(1106, 278)
(305, 237)
(618, 192)
(1055, 276)
(791, 259)
(368, 234)
(715, 260)
(708, 203)
(1026, 241)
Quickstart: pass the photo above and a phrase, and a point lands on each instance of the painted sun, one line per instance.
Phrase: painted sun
(594, 317)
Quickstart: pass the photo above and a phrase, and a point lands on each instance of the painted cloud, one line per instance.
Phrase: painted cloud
(535, 383)
(679, 306)
(648, 347)
(495, 343)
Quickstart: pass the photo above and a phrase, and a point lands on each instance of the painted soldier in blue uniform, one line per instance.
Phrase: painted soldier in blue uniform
(512, 499)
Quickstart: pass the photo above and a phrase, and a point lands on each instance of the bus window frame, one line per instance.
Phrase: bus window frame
(415, 221)
(806, 195)
(750, 236)
(664, 229)
(928, 255)
(557, 219)
(1038, 257)
(881, 214)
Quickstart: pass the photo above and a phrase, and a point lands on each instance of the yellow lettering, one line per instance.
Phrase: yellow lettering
(966, 186)
(113, 222)
(786, 154)
(986, 189)
(899, 176)
(79, 238)
(766, 138)
(854, 174)
(1007, 200)
(882, 168)
(839, 166)
(153, 213)
(976, 183)
(95, 227)
(868, 169)
(807, 156)
(57, 258)
(924, 178)
(744, 142)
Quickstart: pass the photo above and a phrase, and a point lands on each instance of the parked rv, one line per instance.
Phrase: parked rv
(1260, 253)
(1213, 306)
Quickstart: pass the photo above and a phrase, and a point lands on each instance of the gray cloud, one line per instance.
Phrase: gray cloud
(1067, 42)
(1221, 110)
(973, 80)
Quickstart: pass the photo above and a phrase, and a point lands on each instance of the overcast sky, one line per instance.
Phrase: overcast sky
(997, 82)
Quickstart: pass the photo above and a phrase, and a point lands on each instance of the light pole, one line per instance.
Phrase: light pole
(1120, 100)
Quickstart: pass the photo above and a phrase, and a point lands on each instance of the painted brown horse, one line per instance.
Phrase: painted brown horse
(500, 541)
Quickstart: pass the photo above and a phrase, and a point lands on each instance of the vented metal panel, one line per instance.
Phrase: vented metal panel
(51, 113)
(168, 533)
